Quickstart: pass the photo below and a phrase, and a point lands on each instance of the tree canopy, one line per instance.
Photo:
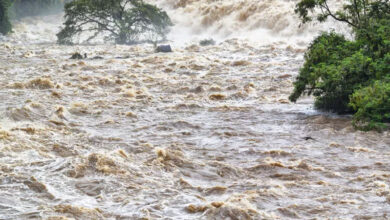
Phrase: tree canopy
(124, 21)
(346, 75)
(356, 13)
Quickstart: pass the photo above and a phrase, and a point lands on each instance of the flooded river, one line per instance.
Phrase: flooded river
(200, 133)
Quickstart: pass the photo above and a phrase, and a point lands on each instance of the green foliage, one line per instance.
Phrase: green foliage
(5, 25)
(320, 75)
(356, 13)
(345, 76)
(334, 67)
(372, 106)
(124, 21)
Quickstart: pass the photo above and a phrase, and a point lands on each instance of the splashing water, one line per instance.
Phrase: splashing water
(200, 133)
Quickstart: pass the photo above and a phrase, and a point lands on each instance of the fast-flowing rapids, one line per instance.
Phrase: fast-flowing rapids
(200, 133)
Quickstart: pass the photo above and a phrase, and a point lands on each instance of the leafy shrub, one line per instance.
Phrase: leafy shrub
(372, 105)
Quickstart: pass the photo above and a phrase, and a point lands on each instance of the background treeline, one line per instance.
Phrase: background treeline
(14, 9)
(5, 24)
(23, 8)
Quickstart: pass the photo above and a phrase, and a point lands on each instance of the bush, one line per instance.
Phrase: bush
(372, 105)
(124, 21)
(341, 73)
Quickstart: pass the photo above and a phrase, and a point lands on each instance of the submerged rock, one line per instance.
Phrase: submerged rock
(164, 49)
(207, 42)
(78, 56)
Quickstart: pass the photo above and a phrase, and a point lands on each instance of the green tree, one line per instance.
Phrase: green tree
(372, 104)
(124, 21)
(5, 24)
(341, 73)
(356, 13)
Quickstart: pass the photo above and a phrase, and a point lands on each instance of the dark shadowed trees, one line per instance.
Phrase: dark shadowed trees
(23, 8)
(5, 25)
(123, 21)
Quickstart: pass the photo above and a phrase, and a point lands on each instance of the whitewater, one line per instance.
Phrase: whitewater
(204, 132)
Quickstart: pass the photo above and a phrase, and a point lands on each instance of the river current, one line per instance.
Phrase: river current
(205, 132)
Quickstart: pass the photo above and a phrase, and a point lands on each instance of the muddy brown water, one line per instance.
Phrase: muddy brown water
(200, 133)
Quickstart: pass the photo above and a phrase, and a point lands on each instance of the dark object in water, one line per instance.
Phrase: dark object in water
(78, 56)
(207, 42)
(308, 138)
(164, 49)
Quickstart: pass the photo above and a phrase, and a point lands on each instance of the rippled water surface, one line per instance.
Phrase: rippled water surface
(200, 133)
